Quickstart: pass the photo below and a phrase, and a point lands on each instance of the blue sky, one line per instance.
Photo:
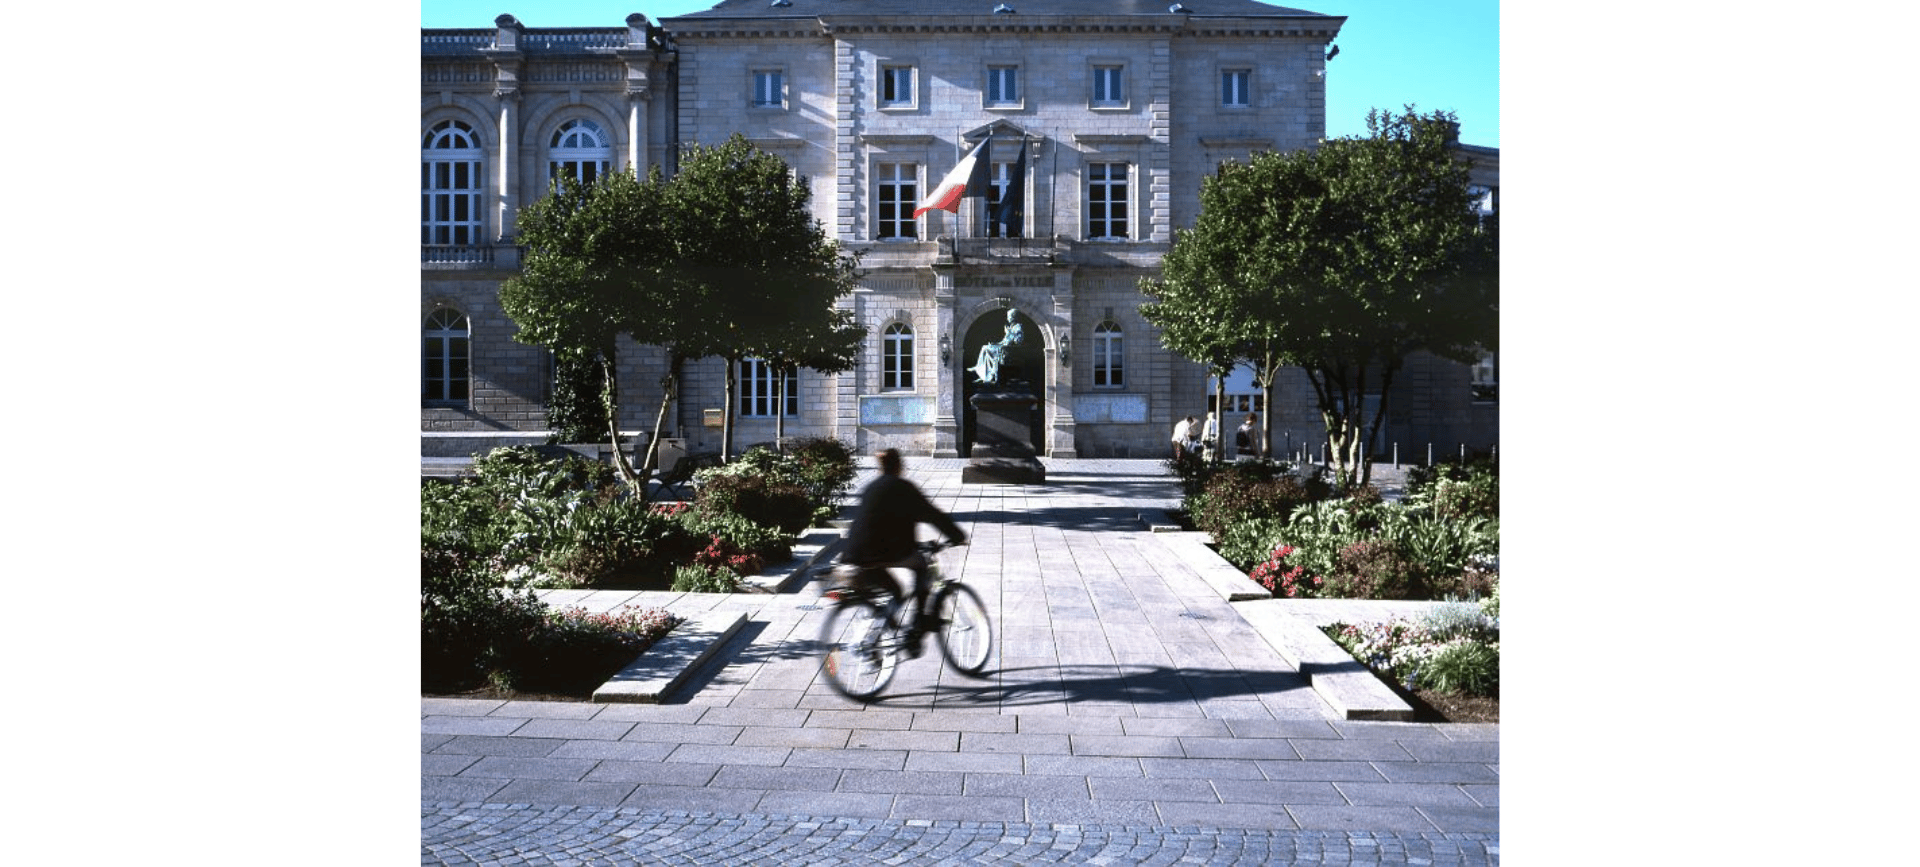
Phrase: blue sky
(1440, 54)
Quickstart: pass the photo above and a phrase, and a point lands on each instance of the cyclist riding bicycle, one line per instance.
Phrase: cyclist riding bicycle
(882, 536)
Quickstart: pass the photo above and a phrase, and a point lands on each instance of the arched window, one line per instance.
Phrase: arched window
(450, 186)
(579, 150)
(1109, 365)
(443, 358)
(896, 357)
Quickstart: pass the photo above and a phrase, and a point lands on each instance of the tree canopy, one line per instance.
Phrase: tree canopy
(724, 259)
(1341, 260)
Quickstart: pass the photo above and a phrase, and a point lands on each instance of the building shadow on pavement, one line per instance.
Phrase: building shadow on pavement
(1068, 684)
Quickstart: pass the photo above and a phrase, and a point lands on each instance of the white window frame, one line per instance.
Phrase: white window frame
(1109, 86)
(769, 88)
(1109, 355)
(758, 382)
(1100, 190)
(446, 358)
(896, 190)
(1485, 378)
(896, 358)
(1003, 86)
(1000, 175)
(452, 186)
(579, 149)
(902, 80)
(1243, 77)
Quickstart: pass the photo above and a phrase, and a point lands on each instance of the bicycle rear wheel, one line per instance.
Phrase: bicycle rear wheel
(859, 661)
(966, 635)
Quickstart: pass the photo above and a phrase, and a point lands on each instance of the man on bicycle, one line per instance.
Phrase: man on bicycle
(882, 534)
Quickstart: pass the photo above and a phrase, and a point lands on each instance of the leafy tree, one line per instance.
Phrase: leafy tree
(767, 271)
(1343, 261)
(587, 278)
(722, 260)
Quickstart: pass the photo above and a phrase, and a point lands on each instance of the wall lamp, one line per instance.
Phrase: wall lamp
(946, 349)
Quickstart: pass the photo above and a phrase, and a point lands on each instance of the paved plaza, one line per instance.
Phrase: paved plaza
(1129, 714)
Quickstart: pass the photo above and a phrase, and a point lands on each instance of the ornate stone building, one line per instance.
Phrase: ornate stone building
(1101, 119)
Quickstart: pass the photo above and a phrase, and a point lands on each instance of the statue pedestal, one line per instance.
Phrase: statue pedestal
(1003, 450)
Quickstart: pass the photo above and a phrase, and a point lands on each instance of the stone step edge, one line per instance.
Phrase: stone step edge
(672, 659)
(1343, 682)
(1196, 550)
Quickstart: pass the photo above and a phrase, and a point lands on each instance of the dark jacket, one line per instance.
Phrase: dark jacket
(890, 507)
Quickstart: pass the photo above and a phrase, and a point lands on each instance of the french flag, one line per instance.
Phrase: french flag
(969, 178)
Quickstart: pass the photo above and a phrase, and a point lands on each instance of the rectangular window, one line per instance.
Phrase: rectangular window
(897, 191)
(1107, 86)
(1486, 378)
(760, 393)
(1003, 85)
(450, 203)
(896, 86)
(769, 89)
(1234, 88)
(1000, 181)
(1107, 200)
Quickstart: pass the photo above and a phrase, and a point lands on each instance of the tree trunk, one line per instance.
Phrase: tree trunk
(726, 411)
(669, 387)
(780, 415)
(609, 398)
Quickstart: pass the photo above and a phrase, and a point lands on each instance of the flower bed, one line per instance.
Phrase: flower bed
(1450, 653)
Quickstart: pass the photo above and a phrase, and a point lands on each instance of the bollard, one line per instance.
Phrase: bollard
(1429, 454)
(1463, 454)
(1396, 456)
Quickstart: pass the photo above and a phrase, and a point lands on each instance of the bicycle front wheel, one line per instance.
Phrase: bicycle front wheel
(966, 635)
(859, 661)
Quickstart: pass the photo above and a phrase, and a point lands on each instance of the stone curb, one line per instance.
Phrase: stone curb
(672, 659)
(1346, 685)
(1232, 584)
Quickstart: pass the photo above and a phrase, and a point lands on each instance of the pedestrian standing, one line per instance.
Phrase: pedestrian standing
(1182, 433)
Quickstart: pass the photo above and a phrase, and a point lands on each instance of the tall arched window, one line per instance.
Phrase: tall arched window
(443, 358)
(450, 186)
(579, 150)
(896, 357)
(1109, 366)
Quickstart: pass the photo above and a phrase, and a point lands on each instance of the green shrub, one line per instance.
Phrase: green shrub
(824, 468)
(1457, 491)
(696, 578)
(759, 498)
(1249, 543)
(1461, 667)
(1246, 491)
(615, 540)
(1377, 568)
(740, 534)
(1463, 659)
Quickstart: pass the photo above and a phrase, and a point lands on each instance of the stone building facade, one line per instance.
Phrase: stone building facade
(1101, 119)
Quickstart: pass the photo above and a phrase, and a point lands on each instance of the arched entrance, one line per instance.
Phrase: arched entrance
(1003, 355)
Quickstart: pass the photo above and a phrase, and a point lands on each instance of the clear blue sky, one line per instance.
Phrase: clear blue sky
(1438, 54)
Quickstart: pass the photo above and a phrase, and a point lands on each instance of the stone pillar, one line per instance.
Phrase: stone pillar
(507, 58)
(639, 86)
(946, 422)
(1060, 428)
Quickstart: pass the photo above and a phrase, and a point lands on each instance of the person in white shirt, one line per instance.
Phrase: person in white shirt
(1182, 432)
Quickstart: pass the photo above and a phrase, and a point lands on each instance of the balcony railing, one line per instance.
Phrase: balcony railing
(457, 255)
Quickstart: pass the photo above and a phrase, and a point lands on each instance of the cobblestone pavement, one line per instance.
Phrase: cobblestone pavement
(456, 834)
(1129, 715)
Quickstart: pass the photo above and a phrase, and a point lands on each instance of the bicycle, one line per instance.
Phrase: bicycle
(863, 634)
